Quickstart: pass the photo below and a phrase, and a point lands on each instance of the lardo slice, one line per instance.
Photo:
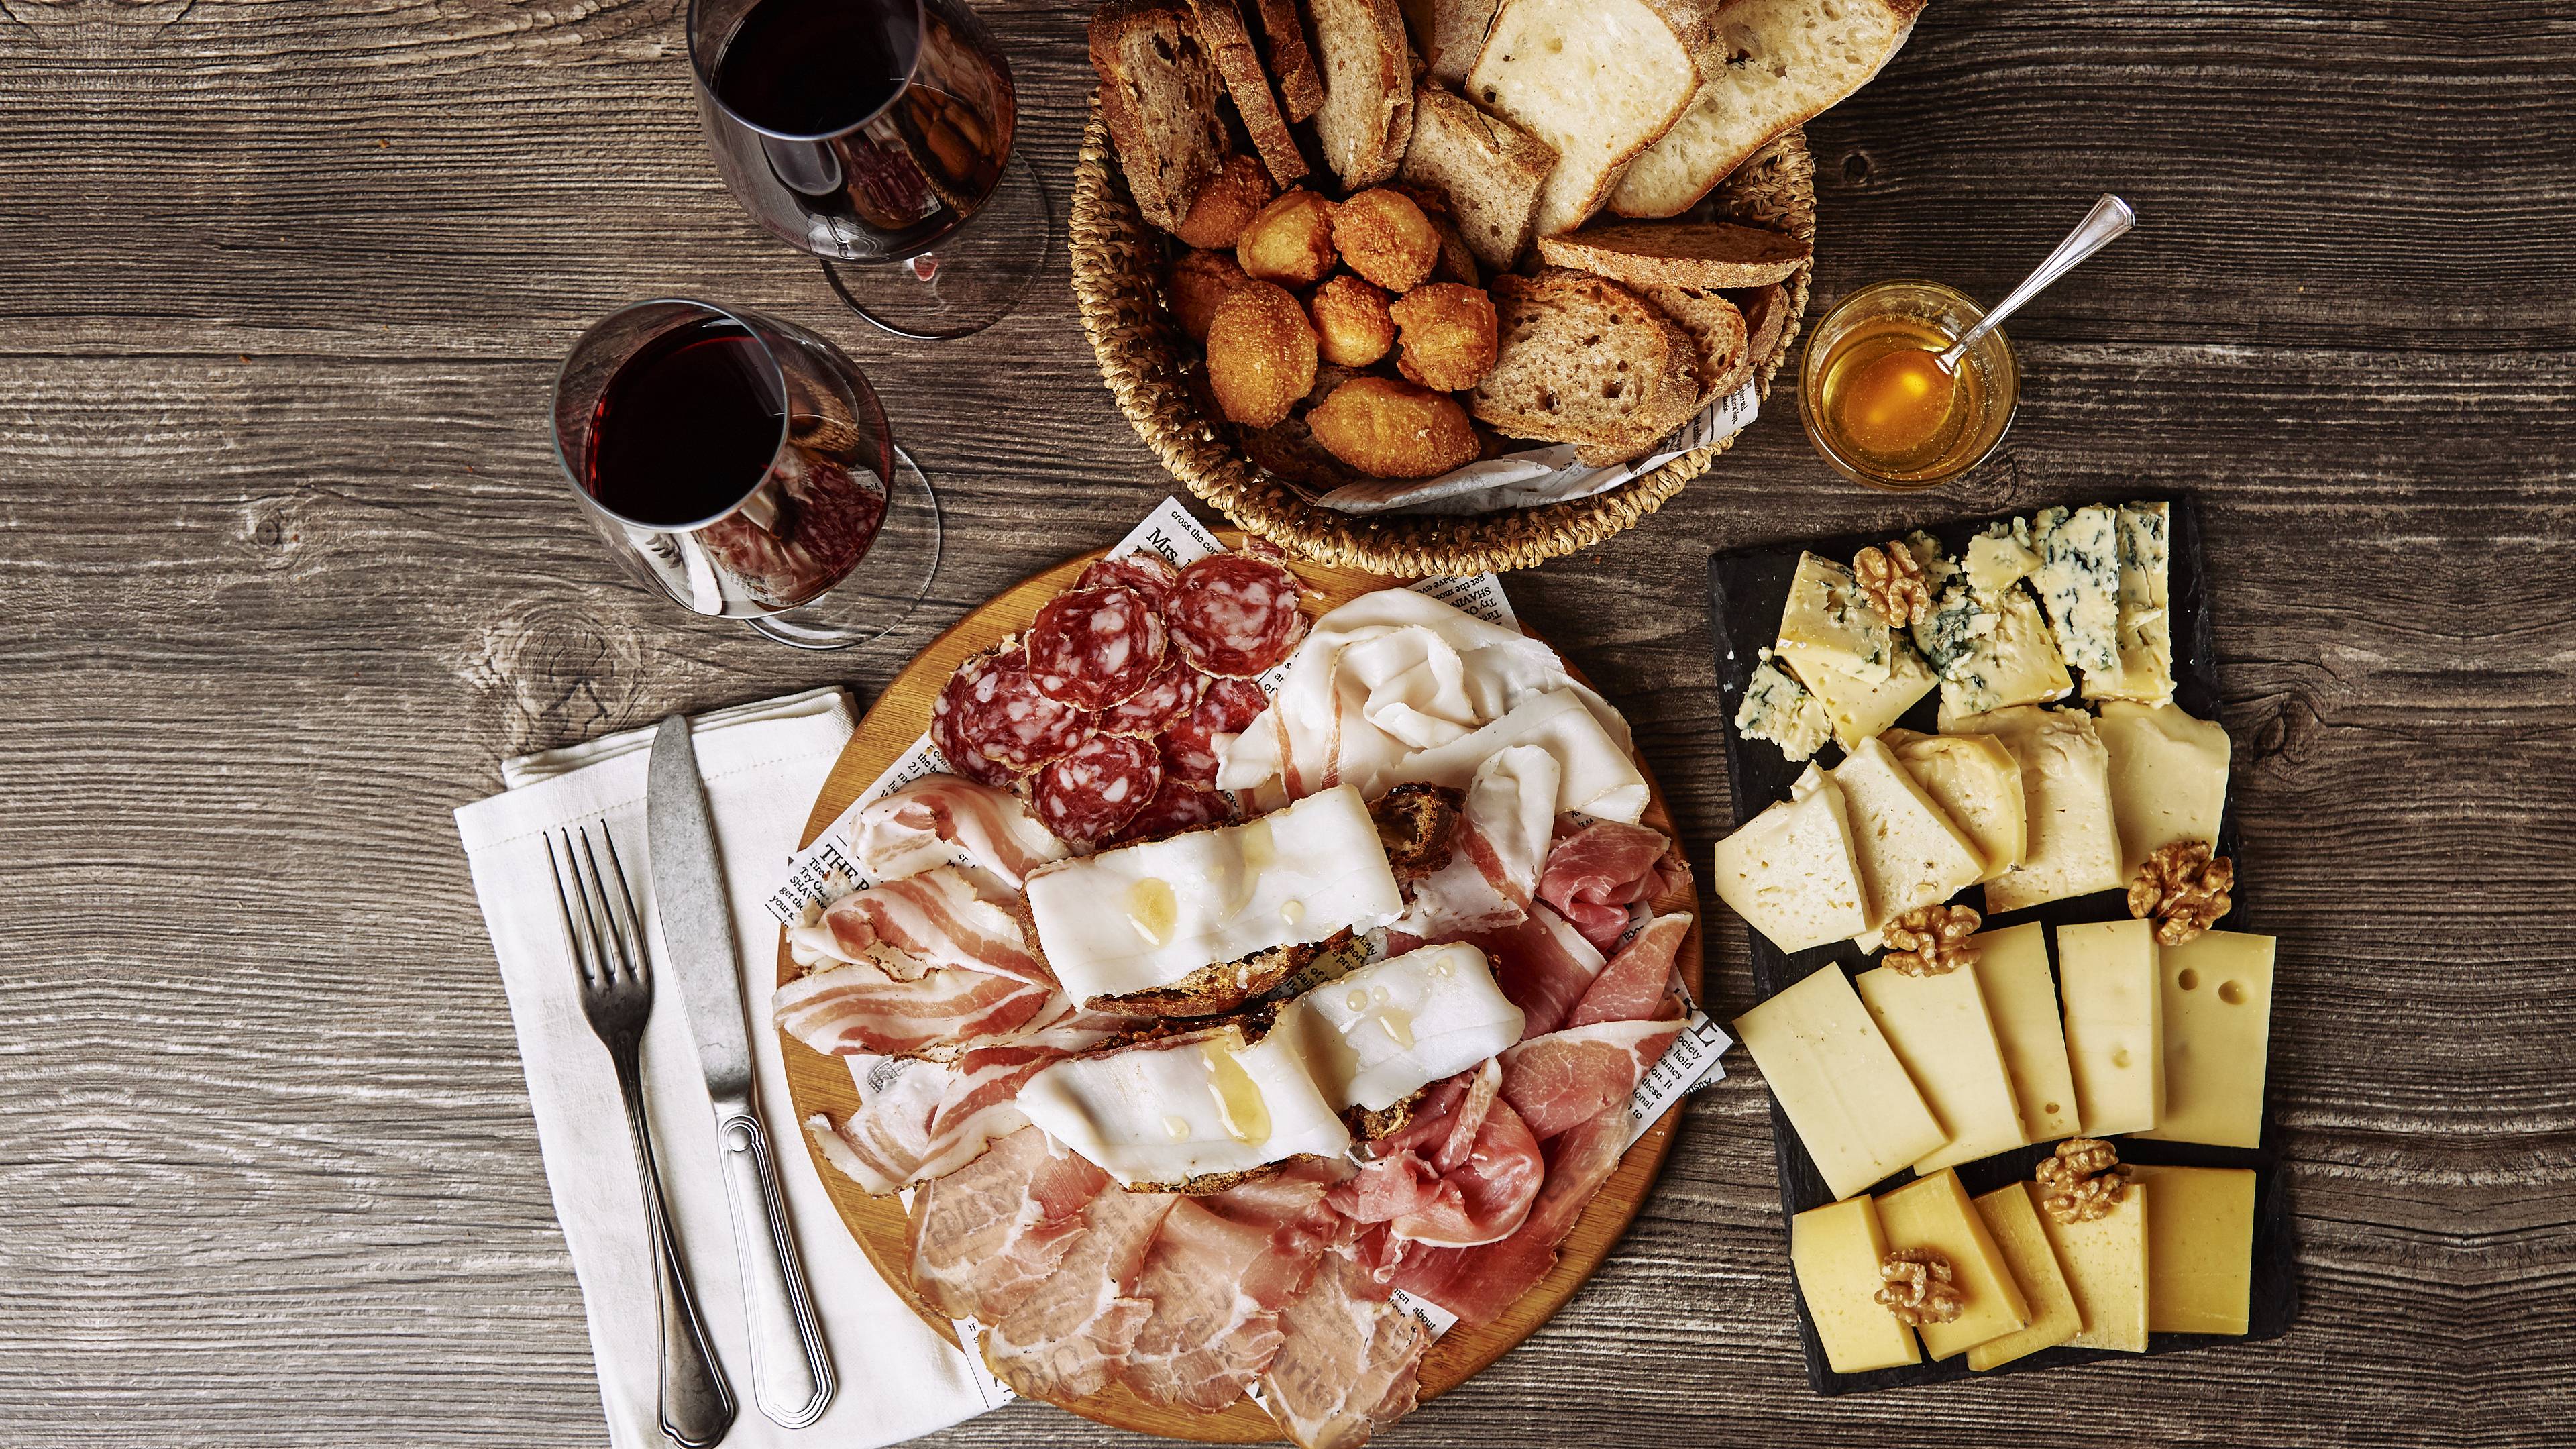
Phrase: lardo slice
(1186, 1111)
(1600, 80)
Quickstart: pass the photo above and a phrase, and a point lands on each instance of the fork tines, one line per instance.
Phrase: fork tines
(606, 945)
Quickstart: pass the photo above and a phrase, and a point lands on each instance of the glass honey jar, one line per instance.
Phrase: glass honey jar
(1881, 409)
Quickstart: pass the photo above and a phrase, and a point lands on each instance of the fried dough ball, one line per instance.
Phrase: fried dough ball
(1448, 335)
(1391, 429)
(1290, 241)
(1260, 354)
(1199, 281)
(1384, 237)
(1457, 260)
(1352, 322)
(1227, 204)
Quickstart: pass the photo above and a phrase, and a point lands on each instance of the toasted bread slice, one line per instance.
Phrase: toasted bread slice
(1582, 360)
(1292, 60)
(1367, 65)
(1417, 824)
(1774, 66)
(1489, 171)
(1599, 80)
(1447, 34)
(1221, 26)
(1219, 988)
(1717, 325)
(1766, 316)
(1706, 255)
(1158, 98)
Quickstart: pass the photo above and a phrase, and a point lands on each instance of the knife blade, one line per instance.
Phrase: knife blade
(791, 1373)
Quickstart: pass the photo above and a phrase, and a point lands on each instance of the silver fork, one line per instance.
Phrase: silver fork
(617, 995)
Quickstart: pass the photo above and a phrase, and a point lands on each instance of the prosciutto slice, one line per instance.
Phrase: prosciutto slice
(1543, 965)
(1217, 1276)
(1478, 1283)
(1565, 1079)
(985, 1235)
(1596, 872)
(1351, 1363)
(1637, 982)
(928, 823)
(1496, 853)
(1464, 1171)
(1067, 1338)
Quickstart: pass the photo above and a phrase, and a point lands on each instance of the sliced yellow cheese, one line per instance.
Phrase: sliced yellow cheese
(1829, 618)
(1843, 1089)
(1857, 706)
(1836, 1250)
(1934, 1212)
(2106, 976)
(2066, 792)
(1976, 781)
(2168, 777)
(2217, 1001)
(1791, 872)
(2106, 1269)
(1911, 854)
(2200, 1248)
(1937, 1026)
(2021, 1001)
(2013, 1221)
(1997, 561)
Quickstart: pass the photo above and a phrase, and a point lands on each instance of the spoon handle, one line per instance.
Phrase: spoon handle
(2110, 219)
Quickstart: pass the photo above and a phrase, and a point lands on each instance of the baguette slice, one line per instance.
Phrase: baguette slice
(1158, 98)
(1718, 328)
(1488, 170)
(1776, 65)
(1766, 316)
(1599, 80)
(1292, 63)
(1707, 255)
(1220, 25)
(1367, 115)
(1448, 33)
(1582, 360)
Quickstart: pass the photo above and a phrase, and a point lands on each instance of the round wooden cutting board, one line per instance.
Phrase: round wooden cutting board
(820, 1083)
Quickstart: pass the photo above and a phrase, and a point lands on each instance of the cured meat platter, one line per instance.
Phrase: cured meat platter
(822, 1084)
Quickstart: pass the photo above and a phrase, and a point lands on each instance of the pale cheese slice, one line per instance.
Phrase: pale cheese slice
(1859, 707)
(2014, 1223)
(1976, 781)
(1935, 1212)
(2115, 1036)
(1911, 853)
(1843, 1089)
(1829, 617)
(2218, 1038)
(1791, 873)
(1939, 1029)
(2200, 1249)
(2168, 777)
(2021, 1001)
(1836, 1251)
(2074, 844)
(2105, 1259)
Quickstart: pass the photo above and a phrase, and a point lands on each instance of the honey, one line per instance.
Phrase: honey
(1877, 401)
(1239, 1105)
(1153, 909)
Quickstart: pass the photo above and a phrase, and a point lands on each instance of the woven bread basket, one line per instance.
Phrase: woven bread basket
(1148, 364)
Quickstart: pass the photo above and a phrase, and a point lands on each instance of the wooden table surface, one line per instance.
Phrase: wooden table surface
(291, 568)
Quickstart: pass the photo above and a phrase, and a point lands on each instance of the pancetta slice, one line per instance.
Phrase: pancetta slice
(929, 822)
(859, 1008)
(982, 1237)
(1068, 1337)
(1351, 1364)
(923, 923)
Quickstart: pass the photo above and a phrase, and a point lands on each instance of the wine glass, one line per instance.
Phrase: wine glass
(870, 132)
(743, 466)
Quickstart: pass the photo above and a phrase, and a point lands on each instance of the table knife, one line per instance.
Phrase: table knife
(790, 1372)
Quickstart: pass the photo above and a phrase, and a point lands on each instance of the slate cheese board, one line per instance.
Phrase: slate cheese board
(1746, 590)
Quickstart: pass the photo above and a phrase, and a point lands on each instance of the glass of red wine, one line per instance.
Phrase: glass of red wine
(742, 466)
(871, 133)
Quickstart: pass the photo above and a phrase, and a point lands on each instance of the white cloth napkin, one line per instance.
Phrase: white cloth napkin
(763, 764)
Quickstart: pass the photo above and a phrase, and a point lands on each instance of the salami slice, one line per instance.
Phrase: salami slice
(1235, 616)
(1102, 785)
(1148, 711)
(1143, 570)
(1092, 648)
(1179, 805)
(992, 709)
(1194, 746)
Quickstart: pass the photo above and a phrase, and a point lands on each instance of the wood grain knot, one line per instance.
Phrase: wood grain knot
(275, 526)
(1856, 169)
(550, 673)
(2284, 728)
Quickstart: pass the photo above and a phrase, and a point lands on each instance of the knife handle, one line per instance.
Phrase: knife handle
(791, 1374)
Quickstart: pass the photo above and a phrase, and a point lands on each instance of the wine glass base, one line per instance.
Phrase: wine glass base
(886, 586)
(972, 279)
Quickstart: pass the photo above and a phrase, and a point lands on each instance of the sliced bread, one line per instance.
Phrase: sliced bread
(1718, 327)
(1775, 65)
(1367, 115)
(1158, 97)
(1489, 171)
(1599, 80)
(1707, 254)
(1766, 316)
(1448, 33)
(1292, 62)
(1582, 360)
(1221, 27)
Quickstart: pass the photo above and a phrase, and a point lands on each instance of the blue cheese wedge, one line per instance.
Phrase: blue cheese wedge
(1779, 709)
(1791, 871)
(2079, 580)
(1949, 631)
(2146, 627)
(2012, 661)
(1859, 708)
(1829, 617)
(1939, 569)
(2074, 845)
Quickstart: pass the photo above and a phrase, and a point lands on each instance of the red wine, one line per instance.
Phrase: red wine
(816, 67)
(687, 427)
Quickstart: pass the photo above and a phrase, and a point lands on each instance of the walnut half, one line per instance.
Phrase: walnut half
(1932, 940)
(1919, 1287)
(2183, 889)
(2082, 1180)
(1893, 579)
